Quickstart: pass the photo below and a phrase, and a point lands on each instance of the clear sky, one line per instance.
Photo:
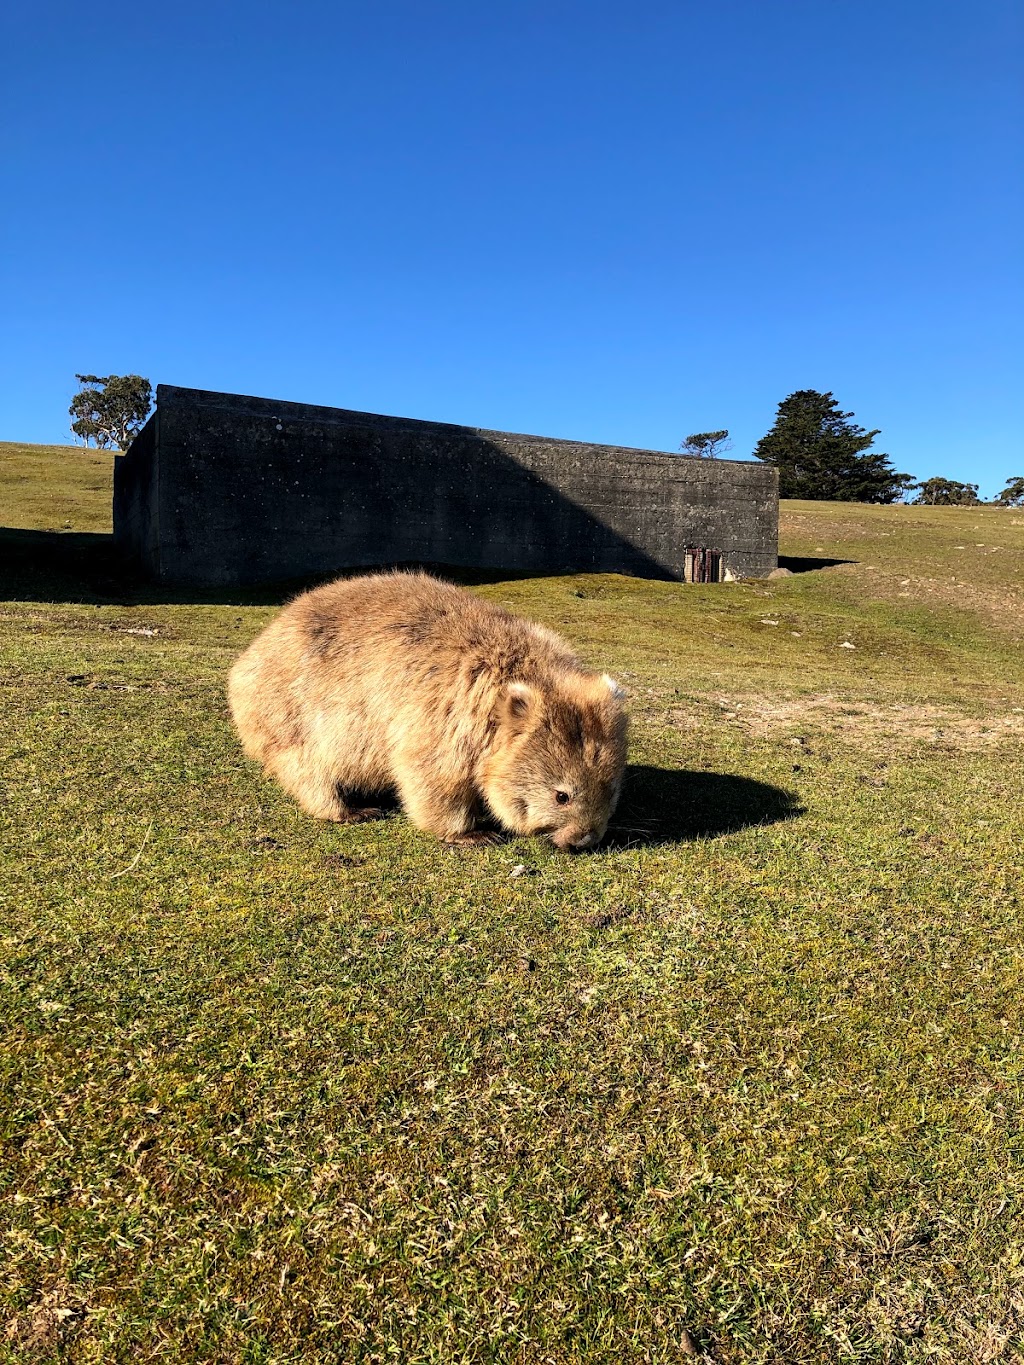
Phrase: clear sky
(619, 222)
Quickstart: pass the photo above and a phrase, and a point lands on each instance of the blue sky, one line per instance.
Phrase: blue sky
(616, 222)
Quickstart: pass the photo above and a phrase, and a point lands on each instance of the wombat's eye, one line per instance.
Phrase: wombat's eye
(563, 798)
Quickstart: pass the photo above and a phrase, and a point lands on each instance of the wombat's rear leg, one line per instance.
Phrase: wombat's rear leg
(316, 788)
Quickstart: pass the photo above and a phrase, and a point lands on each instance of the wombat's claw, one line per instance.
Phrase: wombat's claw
(475, 838)
(363, 813)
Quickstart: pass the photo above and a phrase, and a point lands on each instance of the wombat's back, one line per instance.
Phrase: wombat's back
(360, 661)
(389, 630)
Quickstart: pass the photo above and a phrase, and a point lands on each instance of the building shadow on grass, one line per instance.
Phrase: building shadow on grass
(85, 567)
(807, 563)
(671, 806)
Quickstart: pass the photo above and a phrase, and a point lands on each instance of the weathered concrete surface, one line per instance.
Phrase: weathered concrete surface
(221, 490)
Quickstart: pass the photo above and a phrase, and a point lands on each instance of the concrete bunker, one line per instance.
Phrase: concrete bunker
(226, 490)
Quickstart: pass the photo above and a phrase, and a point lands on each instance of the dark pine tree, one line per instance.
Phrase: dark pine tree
(821, 453)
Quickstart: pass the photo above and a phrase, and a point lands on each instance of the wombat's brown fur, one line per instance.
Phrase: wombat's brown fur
(399, 682)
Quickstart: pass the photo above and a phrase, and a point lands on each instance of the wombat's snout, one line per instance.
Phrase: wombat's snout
(576, 840)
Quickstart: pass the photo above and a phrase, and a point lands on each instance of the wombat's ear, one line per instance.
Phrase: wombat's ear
(519, 701)
(617, 691)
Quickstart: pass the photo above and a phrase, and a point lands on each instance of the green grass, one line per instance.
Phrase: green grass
(55, 488)
(745, 1083)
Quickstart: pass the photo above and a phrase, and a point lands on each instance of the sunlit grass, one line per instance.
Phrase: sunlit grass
(747, 1082)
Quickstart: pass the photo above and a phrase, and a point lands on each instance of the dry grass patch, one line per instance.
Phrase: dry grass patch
(970, 559)
(855, 722)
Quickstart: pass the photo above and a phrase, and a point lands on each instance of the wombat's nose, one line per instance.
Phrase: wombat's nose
(575, 841)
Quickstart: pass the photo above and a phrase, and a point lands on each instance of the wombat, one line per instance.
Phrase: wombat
(401, 683)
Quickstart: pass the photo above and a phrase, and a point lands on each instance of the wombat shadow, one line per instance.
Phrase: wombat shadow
(660, 806)
(671, 805)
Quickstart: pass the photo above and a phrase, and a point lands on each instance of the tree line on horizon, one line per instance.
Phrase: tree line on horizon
(820, 452)
(823, 455)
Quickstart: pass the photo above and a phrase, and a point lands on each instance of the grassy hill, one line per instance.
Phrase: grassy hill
(743, 1085)
(55, 488)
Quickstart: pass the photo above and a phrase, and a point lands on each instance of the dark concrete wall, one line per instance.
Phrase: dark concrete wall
(220, 489)
(136, 497)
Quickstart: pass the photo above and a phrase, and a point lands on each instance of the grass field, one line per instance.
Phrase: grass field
(745, 1085)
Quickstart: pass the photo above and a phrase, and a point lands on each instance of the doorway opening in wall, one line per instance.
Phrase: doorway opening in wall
(702, 565)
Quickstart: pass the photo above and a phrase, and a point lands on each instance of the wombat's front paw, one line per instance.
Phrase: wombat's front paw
(475, 838)
(361, 813)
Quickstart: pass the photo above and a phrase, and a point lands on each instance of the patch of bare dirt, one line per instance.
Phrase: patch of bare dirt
(46, 1322)
(861, 722)
(1000, 604)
